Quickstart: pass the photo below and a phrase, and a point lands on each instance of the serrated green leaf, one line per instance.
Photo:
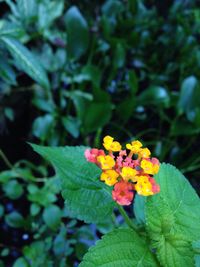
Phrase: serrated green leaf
(26, 60)
(86, 197)
(120, 248)
(173, 218)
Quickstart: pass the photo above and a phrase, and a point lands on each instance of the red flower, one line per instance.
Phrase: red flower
(123, 193)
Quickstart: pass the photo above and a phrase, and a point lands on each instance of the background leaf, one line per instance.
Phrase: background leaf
(26, 60)
(77, 33)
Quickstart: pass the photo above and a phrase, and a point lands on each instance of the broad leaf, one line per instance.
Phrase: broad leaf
(120, 248)
(26, 60)
(86, 197)
(173, 218)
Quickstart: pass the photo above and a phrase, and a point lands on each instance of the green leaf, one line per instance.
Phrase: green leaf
(9, 113)
(139, 207)
(13, 189)
(42, 196)
(120, 248)
(154, 95)
(6, 71)
(184, 127)
(196, 247)
(37, 253)
(34, 209)
(173, 218)
(48, 12)
(133, 82)
(72, 125)
(11, 30)
(26, 60)
(14, 219)
(77, 33)
(119, 55)
(85, 196)
(5, 252)
(20, 262)
(52, 216)
(27, 9)
(42, 126)
(189, 99)
(1, 210)
(96, 116)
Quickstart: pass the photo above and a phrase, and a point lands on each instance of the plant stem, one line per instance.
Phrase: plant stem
(5, 159)
(128, 221)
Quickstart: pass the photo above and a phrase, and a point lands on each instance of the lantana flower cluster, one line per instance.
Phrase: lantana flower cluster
(127, 170)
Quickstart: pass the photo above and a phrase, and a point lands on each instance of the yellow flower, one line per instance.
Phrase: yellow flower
(135, 146)
(149, 167)
(106, 162)
(110, 144)
(110, 177)
(143, 186)
(144, 153)
(129, 173)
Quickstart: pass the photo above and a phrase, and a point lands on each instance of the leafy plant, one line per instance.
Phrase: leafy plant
(164, 237)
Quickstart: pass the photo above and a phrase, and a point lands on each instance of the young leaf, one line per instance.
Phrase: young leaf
(86, 197)
(173, 218)
(14, 219)
(120, 248)
(52, 216)
(26, 60)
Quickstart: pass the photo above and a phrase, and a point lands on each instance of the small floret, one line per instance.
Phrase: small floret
(92, 154)
(150, 166)
(123, 193)
(110, 177)
(134, 146)
(144, 153)
(110, 144)
(106, 162)
(129, 173)
(143, 186)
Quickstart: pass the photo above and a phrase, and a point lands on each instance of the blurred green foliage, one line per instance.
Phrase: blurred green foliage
(125, 68)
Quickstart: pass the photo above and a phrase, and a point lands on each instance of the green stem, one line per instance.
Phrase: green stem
(5, 159)
(128, 221)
